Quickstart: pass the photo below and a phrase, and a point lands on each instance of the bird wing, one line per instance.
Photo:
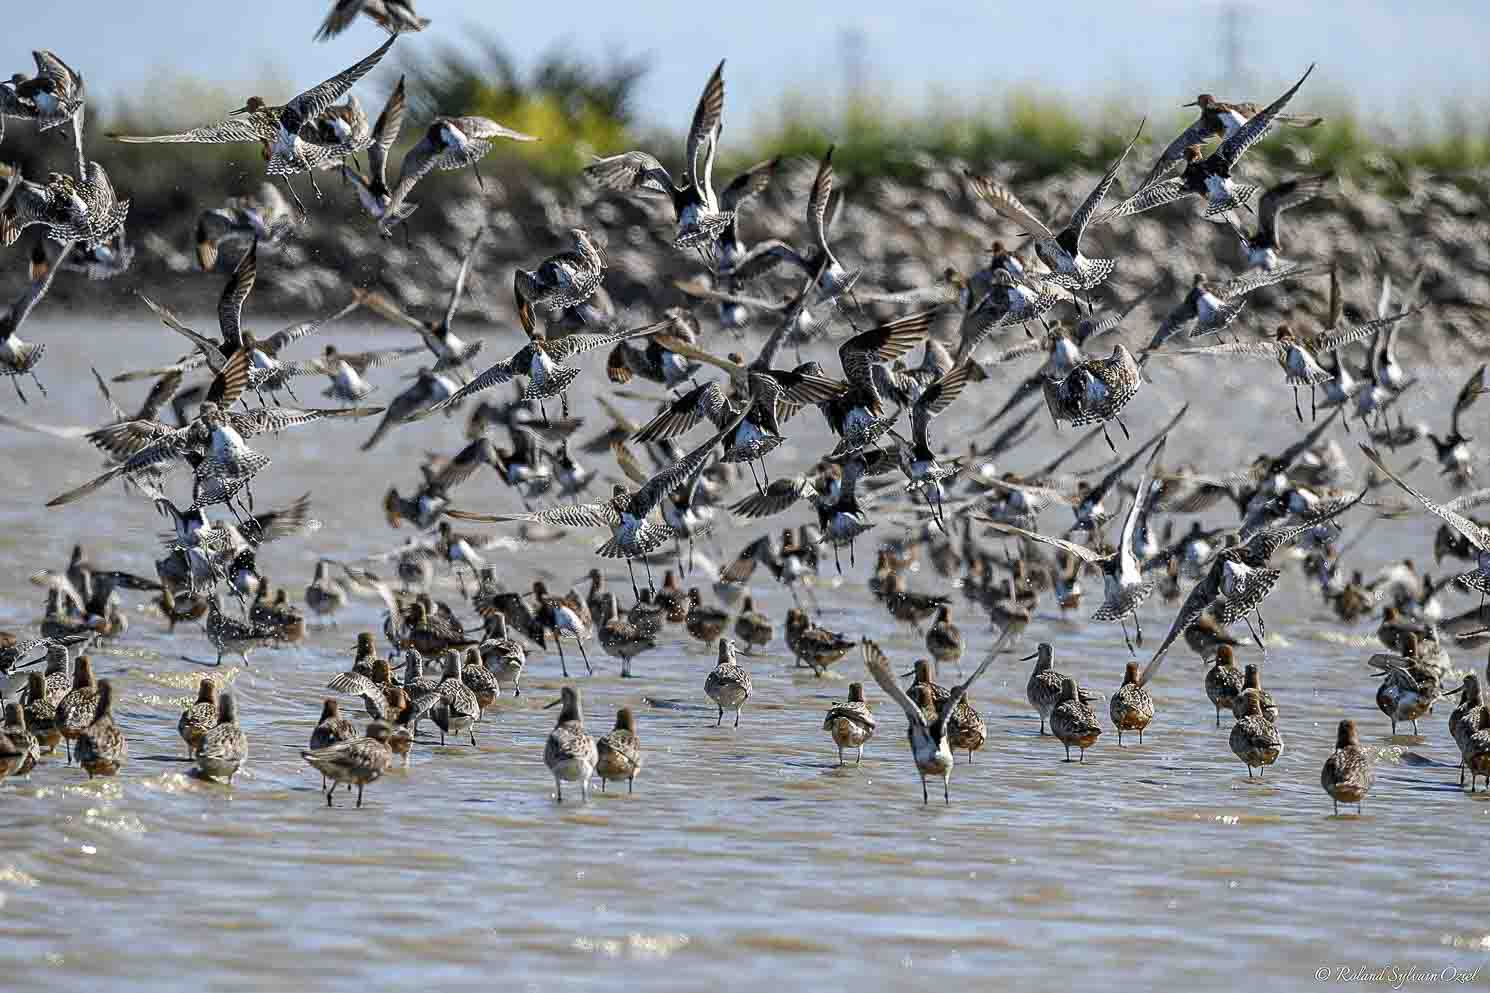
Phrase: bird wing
(242, 127)
(240, 285)
(1195, 134)
(669, 478)
(1094, 199)
(1468, 394)
(748, 184)
(272, 420)
(459, 469)
(578, 515)
(385, 133)
(576, 343)
(1257, 125)
(817, 202)
(282, 523)
(1008, 206)
(285, 336)
(208, 348)
(631, 172)
(882, 344)
(683, 413)
(705, 126)
(1080, 551)
(1151, 196)
(1281, 197)
(461, 276)
(313, 102)
(879, 667)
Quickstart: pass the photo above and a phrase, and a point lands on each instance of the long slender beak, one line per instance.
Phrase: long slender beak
(1031, 655)
(907, 675)
(1192, 103)
(551, 706)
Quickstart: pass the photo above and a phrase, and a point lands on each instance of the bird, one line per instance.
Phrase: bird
(570, 753)
(944, 639)
(19, 357)
(448, 143)
(728, 683)
(619, 753)
(1210, 176)
(1252, 689)
(223, 747)
(373, 192)
(1218, 119)
(393, 16)
(276, 129)
(1255, 739)
(1124, 587)
(701, 218)
(1132, 706)
(1095, 390)
(1478, 578)
(56, 95)
(1264, 245)
(1073, 721)
(200, 717)
(102, 748)
(1224, 681)
(1347, 774)
(565, 279)
(1239, 578)
(930, 745)
(850, 724)
(355, 760)
(73, 209)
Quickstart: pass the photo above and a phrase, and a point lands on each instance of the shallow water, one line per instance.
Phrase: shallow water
(745, 857)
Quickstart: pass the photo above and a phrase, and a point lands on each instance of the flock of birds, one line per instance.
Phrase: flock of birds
(935, 502)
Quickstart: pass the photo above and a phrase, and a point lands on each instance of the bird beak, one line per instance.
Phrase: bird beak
(551, 706)
(1192, 103)
(907, 675)
(1031, 655)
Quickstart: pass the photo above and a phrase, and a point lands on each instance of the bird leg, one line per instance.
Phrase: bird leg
(16, 382)
(636, 593)
(584, 655)
(481, 183)
(1129, 643)
(1253, 631)
(1120, 424)
(1299, 414)
(1313, 405)
(563, 666)
(38, 383)
(1108, 438)
(299, 205)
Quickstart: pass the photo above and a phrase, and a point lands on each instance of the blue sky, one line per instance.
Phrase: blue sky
(1407, 59)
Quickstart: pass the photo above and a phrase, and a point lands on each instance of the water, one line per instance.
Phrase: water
(745, 857)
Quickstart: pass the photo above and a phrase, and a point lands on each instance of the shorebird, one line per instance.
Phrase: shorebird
(223, 747)
(1060, 252)
(448, 143)
(1478, 578)
(1255, 739)
(850, 724)
(41, 713)
(1223, 681)
(705, 623)
(200, 717)
(102, 748)
(81, 209)
(701, 217)
(1208, 309)
(452, 706)
(620, 637)
(17, 356)
(1455, 457)
(277, 129)
(1124, 587)
(816, 646)
(1095, 390)
(1347, 774)
(570, 753)
(931, 748)
(618, 755)
(264, 218)
(1210, 176)
(355, 760)
(56, 95)
(923, 470)
(1252, 690)
(542, 361)
(944, 639)
(1410, 686)
(373, 192)
(26, 744)
(393, 16)
(634, 534)
(1297, 357)
(1132, 706)
(728, 683)
(1238, 579)
(77, 710)
(565, 279)
(1218, 119)
(1263, 245)
(1074, 721)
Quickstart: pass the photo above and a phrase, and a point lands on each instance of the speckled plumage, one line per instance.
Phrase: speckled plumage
(728, 683)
